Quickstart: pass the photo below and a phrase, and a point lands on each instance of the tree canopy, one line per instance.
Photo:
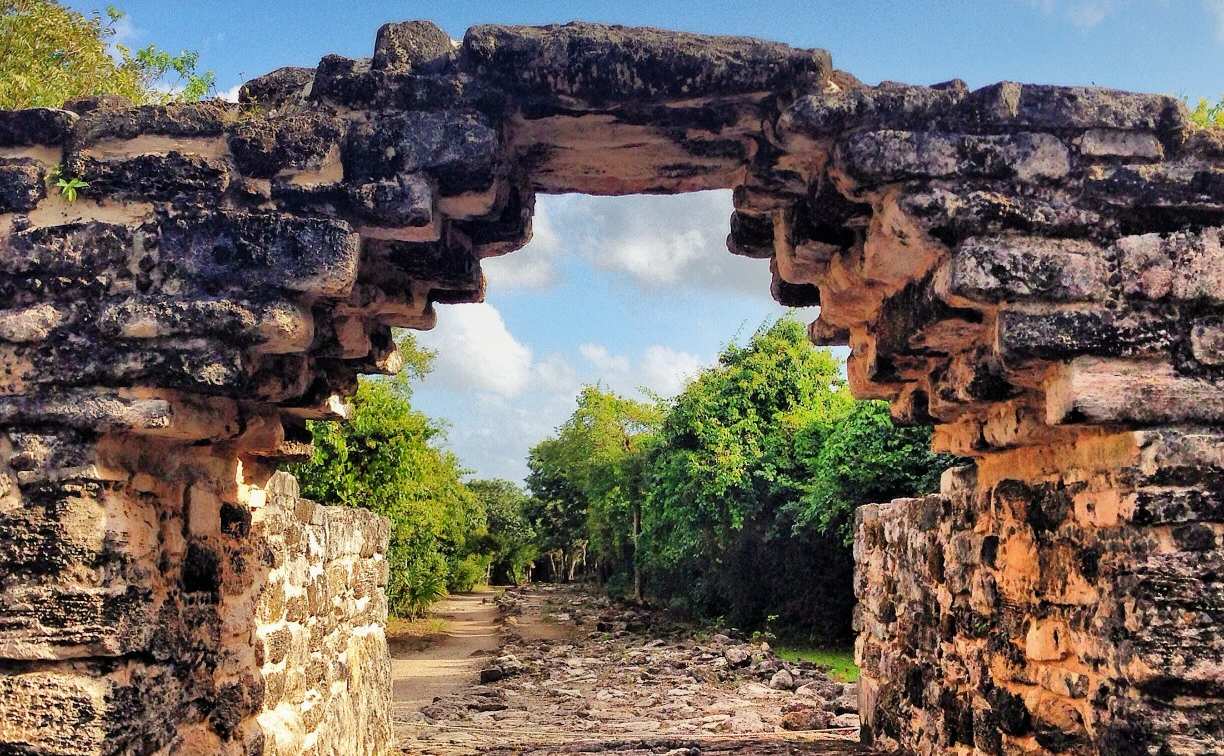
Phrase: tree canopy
(53, 54)
(735, 499)
(385, 457)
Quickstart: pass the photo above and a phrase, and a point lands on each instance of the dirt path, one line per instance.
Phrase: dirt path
(576, 674)
(449, 664)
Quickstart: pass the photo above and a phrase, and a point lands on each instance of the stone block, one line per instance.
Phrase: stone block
(1207, 341)
(875, 157)
(35, 127)
(183, 120)
(411, 46)
(1120, 144)
(1011, 105)
(150, 176)
(1183, 266)
(459, 150)
(626, 63)
(1022, 268)
(276, 89)
(265, 146)
(309, 255)
(23, 184)
(1064, 334)
(1140, 392)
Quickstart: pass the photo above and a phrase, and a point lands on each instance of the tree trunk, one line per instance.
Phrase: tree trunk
(637, 531)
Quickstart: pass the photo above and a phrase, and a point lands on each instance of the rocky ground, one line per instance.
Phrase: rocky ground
(577, 674)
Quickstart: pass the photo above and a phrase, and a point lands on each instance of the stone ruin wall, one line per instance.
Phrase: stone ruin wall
(1035, 270)
(184, 607)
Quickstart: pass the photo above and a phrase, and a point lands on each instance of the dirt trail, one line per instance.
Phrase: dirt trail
(572, 673)
(450, 663)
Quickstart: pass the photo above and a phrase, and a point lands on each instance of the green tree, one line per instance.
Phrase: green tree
(725, 456)
(864, 458)
(735, 498)
(53, 54)
(602, 450)
(556, 510)
(511, 539)
(385, 458)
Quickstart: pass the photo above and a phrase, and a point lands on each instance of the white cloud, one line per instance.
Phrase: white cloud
(603, 360)
(676, 242)
(1088, 14)
(556, 376)
(665, 241)
(476, 352)
(660, 369)
(667, 371)
(1215, 9)
(231, 94)
(500, 399)
(1085, 14)
(535, 265)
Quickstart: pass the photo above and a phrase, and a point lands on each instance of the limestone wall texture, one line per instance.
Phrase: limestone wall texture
(191, 607)
(1036, 270)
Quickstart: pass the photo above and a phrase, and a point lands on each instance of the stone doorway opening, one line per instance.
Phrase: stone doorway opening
(1031, 268)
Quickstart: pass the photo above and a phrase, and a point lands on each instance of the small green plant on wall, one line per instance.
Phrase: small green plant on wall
(1207, 115)
(68, 186)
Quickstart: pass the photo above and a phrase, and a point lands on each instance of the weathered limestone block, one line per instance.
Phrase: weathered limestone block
(263, 147)
(408, 46)
(1179, 267)
(614, 64)
(23, 184)
(286, 86)
(875, 157)
(1019, 268)
(152, 177)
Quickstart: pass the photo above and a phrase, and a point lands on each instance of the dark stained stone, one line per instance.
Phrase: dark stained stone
(602, 64)
(202, 119)
(23, 183)
(263, 147)
(306, 254)
(277, 89)
(35, 126)
(1101, 332)
(460, 149)
(151, 177)
(410, 45)
(201, 570)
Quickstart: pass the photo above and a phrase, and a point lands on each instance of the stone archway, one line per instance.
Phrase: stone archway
(1036, 270)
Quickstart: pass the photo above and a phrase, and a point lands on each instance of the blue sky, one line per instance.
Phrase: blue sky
(640, 290)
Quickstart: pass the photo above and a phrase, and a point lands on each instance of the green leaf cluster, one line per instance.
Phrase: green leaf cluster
(53, 54)
(1207, 115)
(511, 541)
(736, 498)
(385, 458)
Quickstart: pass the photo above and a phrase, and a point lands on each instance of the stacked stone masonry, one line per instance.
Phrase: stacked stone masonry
(1038, 271)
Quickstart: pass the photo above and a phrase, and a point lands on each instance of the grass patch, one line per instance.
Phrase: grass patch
(415, 634)
(840, 661)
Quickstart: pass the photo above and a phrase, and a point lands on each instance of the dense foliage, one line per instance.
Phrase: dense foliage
(736, 499)
(510, 542)
(53, 54)
(385, 458)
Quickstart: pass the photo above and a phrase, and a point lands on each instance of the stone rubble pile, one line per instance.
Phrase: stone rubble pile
(609, 672)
